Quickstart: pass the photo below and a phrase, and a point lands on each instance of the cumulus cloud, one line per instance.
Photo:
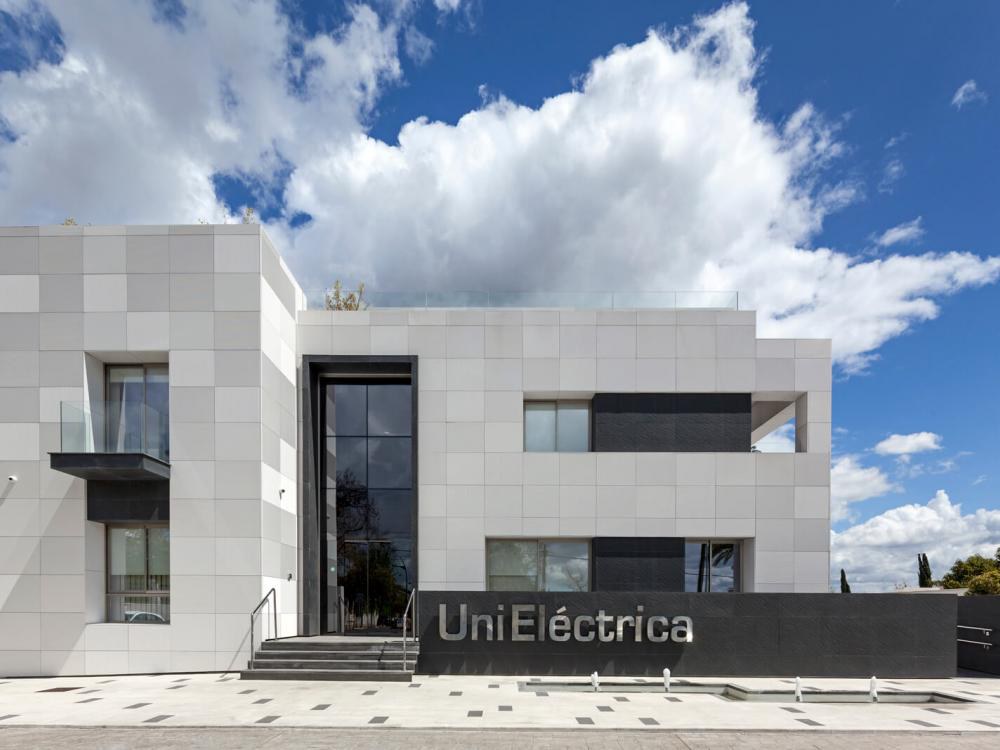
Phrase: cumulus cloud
(968, 93)
(655, 171)
(881, 552)
(904, 445)
(851, 482)
(781, 440)
(908, 231)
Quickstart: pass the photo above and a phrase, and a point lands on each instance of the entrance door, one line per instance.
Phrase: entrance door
(373, 575)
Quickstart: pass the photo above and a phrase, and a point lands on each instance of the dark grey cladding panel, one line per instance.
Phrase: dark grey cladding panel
(978, 614)
(671, 422)
(128, 502)
(275, 276)
(811, 635)
(637, 564)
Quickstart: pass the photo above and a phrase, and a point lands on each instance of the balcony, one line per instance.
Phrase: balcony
(113, 441)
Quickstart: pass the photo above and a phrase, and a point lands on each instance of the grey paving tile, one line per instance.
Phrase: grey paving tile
(985, 723)
(649, 721)
(922, 723)
(183, 679)
(370, 692)
(88, 700)
(176, 687)
(137, 705)
(605, 709)
(494, 686)
(584, 720)
(673, 698)
(809, 722)
(262, 700)
(378, 720)
(474, 714)
(414, 684)
(321, 707)
(58, 689)
(100, 682)
(8, 716)
(92, 690)
(621, 699)
(541, 694)
(246, 692)
(938, 711)
(505, 708)
(791, 710)
(266, 719)
(157, 719)
(455, 692)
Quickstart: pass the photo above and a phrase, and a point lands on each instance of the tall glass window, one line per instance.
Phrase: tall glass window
(557, 426)
(711, 566)
(537, 565)
(138, 568)
(137, 413)
(369, 476)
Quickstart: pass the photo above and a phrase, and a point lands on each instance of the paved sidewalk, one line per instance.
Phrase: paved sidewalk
(152, 738)
(467, 702)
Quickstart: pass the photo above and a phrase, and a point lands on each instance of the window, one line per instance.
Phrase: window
(562, 426)
(138, 413)
(538, 565)
(138, 565)
(711, 566)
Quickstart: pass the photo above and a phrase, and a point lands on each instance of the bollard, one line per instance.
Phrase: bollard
(873, 689)
(798, 689)
(595, 681)
(666, 679)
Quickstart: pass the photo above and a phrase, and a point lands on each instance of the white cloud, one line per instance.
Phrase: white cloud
(904, 445)
(447, 6)
(882, 551)
(909, 231)
(850, 483)
(892, 173)
(657, 171)
(418, 45)
(781, 440)
(968, 93)
(896, 140)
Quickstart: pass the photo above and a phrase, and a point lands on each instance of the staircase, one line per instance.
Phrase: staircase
(333, 658)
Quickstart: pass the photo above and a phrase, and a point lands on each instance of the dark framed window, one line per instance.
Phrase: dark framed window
(711, 566)
(551, 426)
(137, 409)
(538, 565)
(138, 573)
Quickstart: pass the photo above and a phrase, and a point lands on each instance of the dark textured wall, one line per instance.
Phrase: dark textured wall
(979, 612)
(671, 422)
(637, 564)
(818, 635)
(128, 502)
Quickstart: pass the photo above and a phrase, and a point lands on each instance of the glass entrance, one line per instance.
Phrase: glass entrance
(370, 508)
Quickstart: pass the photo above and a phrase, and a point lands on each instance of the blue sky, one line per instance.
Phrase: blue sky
(304, 123)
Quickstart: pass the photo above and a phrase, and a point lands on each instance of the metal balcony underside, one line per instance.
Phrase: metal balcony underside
(135, 467)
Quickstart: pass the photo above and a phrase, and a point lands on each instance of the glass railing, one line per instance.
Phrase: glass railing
(113, 427)
(723, 300)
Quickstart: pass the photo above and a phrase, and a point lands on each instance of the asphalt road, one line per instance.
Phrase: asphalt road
(125, 738)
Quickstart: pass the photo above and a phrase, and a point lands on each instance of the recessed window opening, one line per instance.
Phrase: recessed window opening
(538, 565)
(557, 426)
(138, 573)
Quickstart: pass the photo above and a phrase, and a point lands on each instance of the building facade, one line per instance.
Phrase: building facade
(179, 434)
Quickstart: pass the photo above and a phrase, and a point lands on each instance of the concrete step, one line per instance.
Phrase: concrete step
(338, 646)
(348, 664)
(360, 656)
(360, 675)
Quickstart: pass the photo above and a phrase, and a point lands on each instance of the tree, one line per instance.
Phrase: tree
(845, 587)
(963, 571)
(69, 221)
(924, 578)
(985, 584)
(249, 216)
(336, 299)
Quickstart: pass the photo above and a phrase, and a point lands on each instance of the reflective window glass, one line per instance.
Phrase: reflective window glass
(350, 409)
(390, 409)
(539, 426)
(725, 567)
(512, 565)
(573, 426)
(391, 514)
(352, 461)
(157, 415)
(389, 463)
(566, 566)
(124, 409)
(126, 559)
(696, 566)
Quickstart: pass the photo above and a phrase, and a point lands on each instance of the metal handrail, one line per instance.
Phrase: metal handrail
(987, 631)
(256, 611)
(986, 646)
(409, 603)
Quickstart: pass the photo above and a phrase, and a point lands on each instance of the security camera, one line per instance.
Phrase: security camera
(12, 478)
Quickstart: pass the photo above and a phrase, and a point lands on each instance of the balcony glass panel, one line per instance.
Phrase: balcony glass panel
(135, 428)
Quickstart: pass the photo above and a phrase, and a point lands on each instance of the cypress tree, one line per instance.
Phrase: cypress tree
(845, 587)
(924, 571)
